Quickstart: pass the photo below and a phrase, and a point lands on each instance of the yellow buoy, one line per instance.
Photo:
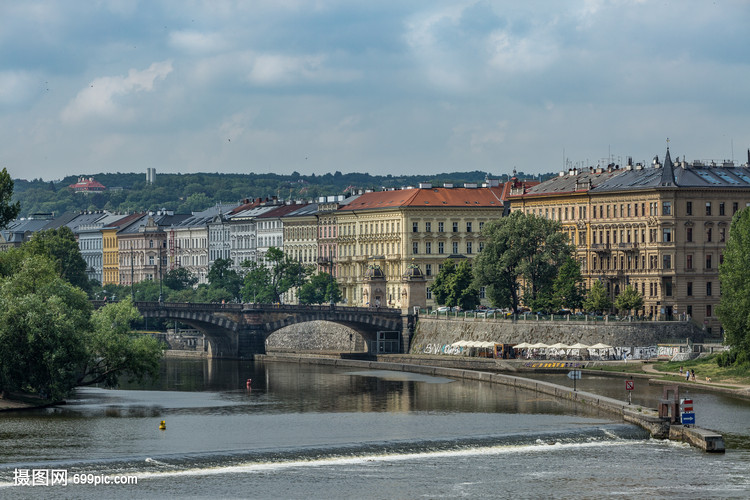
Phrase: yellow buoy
(163, 425)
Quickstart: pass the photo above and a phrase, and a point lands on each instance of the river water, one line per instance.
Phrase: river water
(306, 431)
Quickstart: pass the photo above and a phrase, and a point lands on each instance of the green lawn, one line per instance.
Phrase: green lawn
(707, 367)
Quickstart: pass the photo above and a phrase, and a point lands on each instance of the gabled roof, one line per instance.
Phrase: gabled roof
(279, 211)
(429, 197)
(89, 184)
(573, 182)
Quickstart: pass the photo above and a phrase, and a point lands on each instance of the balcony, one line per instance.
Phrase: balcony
(601, 247)
(627, 247)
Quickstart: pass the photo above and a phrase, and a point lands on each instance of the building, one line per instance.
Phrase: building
(661, 228)
(111, 247)
(420, 226)
(87, 186)
(300, 239)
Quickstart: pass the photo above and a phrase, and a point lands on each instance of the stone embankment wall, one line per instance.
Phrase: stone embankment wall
(316, 336)
(615, 333)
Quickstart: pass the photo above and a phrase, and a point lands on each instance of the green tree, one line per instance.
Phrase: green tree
(270, 281)
(42, 320)
(113, 350)
(316, 290)
(629, 299)
(453, 286)
(597, 300)
(180, 279)
(60, 245)
(734, 276)
(521, 249)
(568, 288)
(222, 276)
(8, 210)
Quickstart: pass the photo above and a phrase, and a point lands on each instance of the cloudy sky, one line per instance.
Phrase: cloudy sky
(416, 86)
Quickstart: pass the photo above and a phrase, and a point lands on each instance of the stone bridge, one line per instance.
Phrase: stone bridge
(241, 330)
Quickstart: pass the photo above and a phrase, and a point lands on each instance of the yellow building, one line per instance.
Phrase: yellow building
(660, 228)
(110, 249)
(421, 226)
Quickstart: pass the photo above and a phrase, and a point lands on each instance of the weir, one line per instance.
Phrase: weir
(659, 427)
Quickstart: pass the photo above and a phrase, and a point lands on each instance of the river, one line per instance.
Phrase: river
(306, 431)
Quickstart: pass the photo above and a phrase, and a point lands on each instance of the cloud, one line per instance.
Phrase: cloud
(99, 99)
(18, 88)
(194, 42)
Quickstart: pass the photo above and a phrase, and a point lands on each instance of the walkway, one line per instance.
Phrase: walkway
(649, 368)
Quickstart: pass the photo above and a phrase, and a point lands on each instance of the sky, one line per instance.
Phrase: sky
(417, 87)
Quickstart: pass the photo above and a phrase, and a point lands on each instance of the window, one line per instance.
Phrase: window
(481, 246)
(441, 247)
(689, 234)
(481, 226)
(415, 227)
(689, 261)
(721, 208)
(415, 247)
(428, 269)
(708, 311)
(455, 227)
(708, 208)
(689, 208)
(708, 261)
(482, 293)
(735, 207)
(468, 227)
(440, 227)
(429, 293)
(667, 261)
(455, 248)
(666, 208)
(689, 288)
(722, 234)
(151, 243)
(428, 227)
(667, 235)
(150, 260)
(709, 234)
(468, 247)
(690, 310)
(668, 288)
(708, 289)
(428, 247)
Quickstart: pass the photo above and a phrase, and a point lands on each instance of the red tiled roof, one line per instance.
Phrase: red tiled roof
(429, 197)
(89, 184)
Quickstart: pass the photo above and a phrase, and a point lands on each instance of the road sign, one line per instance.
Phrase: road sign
(688, 418)
(574, 375)
(629, 385)
(687, 406)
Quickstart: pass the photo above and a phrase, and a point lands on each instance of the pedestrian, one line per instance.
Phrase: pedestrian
(680, 370)
(687, 375)
(693, 373)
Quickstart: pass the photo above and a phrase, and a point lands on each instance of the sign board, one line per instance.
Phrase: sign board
(629, 385)
(687, 406)
(574, 375)
(688, 418)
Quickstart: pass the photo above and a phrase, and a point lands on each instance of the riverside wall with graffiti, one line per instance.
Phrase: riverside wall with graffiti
(436, 336)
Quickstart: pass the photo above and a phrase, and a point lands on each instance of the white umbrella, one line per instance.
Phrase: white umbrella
(538, 345)
(522, 345)
(579, 346)
(600, 346)
(487, 344)
(559, 345)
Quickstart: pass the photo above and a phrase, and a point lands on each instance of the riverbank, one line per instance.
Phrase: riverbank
(647, 418)
(19, 402)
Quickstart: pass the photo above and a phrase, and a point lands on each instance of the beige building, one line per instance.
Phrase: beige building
(660, 228)
(421, 226)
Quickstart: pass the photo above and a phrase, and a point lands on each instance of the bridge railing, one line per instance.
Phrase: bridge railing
(239, 307)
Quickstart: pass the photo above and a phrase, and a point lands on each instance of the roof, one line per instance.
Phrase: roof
(304, 211)
(574, 182)
(123, 221)
(85, 184)
(429, 197)
(683, 175)
(280, 211)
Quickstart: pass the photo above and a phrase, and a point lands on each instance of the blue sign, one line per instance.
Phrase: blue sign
(688, 418)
